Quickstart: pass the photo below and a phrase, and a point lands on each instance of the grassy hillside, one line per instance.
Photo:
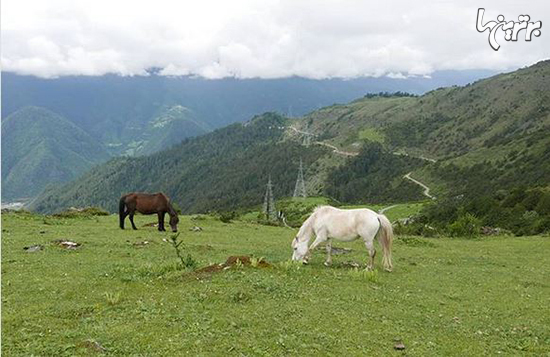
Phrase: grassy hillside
(119, 295)
(485, 137)
(502, 123)
(111, 108)
(39, 148)
(225, 169)
(171, 126)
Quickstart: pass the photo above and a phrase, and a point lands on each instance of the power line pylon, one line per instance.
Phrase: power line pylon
(300, 188)
(269, 203)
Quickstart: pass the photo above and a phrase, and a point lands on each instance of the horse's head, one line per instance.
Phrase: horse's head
(300, 250)
(174, 222)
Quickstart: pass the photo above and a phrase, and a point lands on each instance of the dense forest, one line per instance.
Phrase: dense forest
(374, 176)
(223, 170)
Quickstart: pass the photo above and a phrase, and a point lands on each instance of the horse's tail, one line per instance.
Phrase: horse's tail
(386, 238)
(121, 207)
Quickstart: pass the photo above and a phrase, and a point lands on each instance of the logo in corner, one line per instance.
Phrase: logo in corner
(511, 28)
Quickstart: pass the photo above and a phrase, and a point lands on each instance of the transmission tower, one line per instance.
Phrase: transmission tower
(300, 188)
(269, 203)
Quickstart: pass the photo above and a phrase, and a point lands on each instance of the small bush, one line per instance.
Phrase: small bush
(415, 229)
(467, 225)
(82, 212)
(227, 217)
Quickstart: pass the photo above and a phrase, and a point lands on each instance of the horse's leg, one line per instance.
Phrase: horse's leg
(328, 262)
(132, 220)
(122, 218)
(369, 243)
(321, 237)
(161, 221)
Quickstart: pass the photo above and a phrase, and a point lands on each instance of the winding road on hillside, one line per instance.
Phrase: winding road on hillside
(426, 191)
(335, 150)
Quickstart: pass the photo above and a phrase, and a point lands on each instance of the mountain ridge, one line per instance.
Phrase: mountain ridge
(452, 125)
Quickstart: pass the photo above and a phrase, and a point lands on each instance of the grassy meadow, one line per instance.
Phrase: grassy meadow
(118, 295)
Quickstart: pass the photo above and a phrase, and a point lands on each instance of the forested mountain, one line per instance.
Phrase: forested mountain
(120, 111)
(41, 147)
(225, 169)
(488, 136)
(132, 116)
(502, 124)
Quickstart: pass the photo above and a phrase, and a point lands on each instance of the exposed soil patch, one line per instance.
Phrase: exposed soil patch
(232, 261)
(350, 264)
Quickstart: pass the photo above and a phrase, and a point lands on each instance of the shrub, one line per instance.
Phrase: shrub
(467, 225)
(82, 212)
(227, 217)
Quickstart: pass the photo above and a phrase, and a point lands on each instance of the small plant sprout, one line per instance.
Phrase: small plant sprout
(112, 298)
(254, 262)
(290, 265)
(186, 262)
(370, 275)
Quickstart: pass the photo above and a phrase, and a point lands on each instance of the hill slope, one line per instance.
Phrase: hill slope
(501, 123)
(487, 136)
(171, 126)
(40, 147)
(118, 111)
(225, 169)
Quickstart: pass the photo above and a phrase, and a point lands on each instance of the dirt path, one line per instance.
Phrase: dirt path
(426, 191)
(334, 148)
(416, 157)
(383, 210)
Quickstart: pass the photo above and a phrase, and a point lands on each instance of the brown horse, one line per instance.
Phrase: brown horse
(147, 203)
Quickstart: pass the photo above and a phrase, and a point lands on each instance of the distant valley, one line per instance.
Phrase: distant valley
(479, 139)
(115, 116)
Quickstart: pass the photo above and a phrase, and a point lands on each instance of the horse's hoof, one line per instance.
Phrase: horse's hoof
(305, 262)
(327, 264)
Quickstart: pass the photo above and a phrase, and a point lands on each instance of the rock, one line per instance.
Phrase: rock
(399, 346)
(34, 248)
(67, 244)
(92, 346)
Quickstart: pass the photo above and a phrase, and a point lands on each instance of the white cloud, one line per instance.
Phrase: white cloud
(268, 39)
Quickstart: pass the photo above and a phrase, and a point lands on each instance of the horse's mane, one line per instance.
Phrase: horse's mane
(308, 223)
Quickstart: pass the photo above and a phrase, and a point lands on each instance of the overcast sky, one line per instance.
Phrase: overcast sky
(267, 39)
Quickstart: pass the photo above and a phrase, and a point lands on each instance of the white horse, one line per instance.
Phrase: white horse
(327, 222)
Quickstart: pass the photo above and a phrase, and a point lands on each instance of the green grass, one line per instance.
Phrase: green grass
(397, 211)
(445, 296)
(371, 134)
